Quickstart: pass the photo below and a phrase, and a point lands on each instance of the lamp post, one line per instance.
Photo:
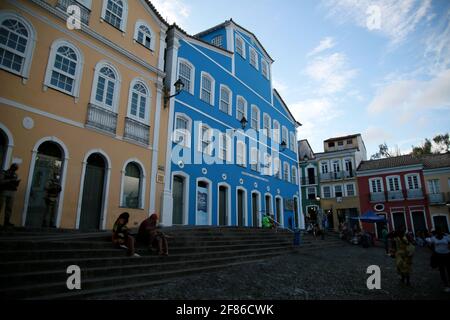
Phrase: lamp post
(243, 122)
(179, 85)
(283, 145)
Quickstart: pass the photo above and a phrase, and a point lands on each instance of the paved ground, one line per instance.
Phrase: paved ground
(332, 273)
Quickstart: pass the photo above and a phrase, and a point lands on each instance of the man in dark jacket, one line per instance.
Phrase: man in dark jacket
(9, 183)
(52, 190)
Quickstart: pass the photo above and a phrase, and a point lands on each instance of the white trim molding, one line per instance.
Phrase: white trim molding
(209, 183)
(117, 84)
(142, 183)
(9, 146)
(245, 205)
(186, 185)
(228, 209)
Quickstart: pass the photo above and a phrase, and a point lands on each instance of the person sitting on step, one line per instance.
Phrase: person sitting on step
(149, 235)
(121, 237)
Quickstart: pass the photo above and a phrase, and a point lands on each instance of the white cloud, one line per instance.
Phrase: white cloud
(173, 10)
(325, 44)
(413, 95)
(331, 72)
(376, 135)
(398, 18)
(280, 85)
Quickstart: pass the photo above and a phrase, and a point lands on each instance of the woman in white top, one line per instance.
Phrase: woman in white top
(440, 244)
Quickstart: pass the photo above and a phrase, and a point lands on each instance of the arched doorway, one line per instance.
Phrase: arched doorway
(93, 192)
(241, 207)
(179, 185)
(278, 210)
(48, 166)
(223, 205)
(3, 149)
(255, 209)
(296, 213)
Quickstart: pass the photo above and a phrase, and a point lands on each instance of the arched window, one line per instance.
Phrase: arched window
(144, 35)
(115, 13)
(266, 124)
(132, 186)
(205, 138)
(294, 175)
(207, 88)
(186, 73)
(225, 99)
(139, 101)
(17, 38)
(64, 68)
(241, 153)
(241, 108)
(276, 131)
(286, 171)
(277, 167)
(255, 118)
(182, 134)
(105, 87)
(284, 136)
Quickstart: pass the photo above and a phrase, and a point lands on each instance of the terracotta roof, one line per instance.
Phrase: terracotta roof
(343, 137)
(427, 161)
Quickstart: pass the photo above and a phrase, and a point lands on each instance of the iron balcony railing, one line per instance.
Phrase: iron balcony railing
(309, 180)
(414, 194)
(395, 195)
(377, 197)
(84, 12)
(101, 118)
(329, 176)
(311, 202)
(137, 131)
(436, 198)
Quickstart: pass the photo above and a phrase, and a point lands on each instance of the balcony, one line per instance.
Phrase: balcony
(137, 131)
(415, 194)
(331, 176)
(311, 180)
(349, 174)
(101, 119)
(395, 195)
(377, 197)
(311, 202)
(85, 12)
(436, 198)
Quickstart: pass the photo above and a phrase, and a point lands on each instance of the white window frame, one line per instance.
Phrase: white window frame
(241, 152)
(118, 82)
(267, 130)
(227, 147)
(123, 22)
(230, 99)
(288, 167)
(342, 190)
(141, 182)
(78, 70)
(245, 107)
(148, 97)
(308, 193)
(419, 184)
(254, 151)
(29, 50)
(213, 42)
(265, 64)
(140, 23)
(292, 141)
(187, 142)
(209, 135)
(323, 192)
(294, 175)
(277, 168)
(253, 51)
(213, 85)
(285, 135)
(255, 107)
(239, 38)
(399, 183)
(276, 131)
(436, 186)
(327, 165)
(338, 162)
(371, 186)
(192, 74)
(346, 190)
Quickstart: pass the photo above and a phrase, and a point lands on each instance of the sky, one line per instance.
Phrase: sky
(376, 67)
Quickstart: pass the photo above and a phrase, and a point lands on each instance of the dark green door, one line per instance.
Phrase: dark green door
(255, 210)
(399, 221)
(278, 205)
(223, 206)
(178, 200)
(3, 148)
(419, 221)
(296, 213)
(240, 208)
(93, 192)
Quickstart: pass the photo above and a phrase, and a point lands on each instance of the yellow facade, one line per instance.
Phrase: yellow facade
(32, 112)
(437, 183)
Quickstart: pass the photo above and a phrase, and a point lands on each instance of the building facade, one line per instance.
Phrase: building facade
(81, 102)
(337, 175)
(233, 152)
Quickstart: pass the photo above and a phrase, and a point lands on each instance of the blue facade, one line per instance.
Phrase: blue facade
(200, 169)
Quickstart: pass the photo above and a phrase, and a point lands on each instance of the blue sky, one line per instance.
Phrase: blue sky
(380, 68)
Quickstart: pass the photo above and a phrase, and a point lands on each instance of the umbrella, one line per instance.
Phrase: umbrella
(371, 217)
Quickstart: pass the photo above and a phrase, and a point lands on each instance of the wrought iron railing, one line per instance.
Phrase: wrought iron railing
(137, 131)
(85, 12)
(101, 118)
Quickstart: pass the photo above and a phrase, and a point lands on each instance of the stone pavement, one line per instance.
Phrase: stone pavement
(328, 273)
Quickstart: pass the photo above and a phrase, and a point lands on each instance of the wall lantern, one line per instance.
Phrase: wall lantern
(179, 85)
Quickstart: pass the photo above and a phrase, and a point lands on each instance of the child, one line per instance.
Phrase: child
(120, 236)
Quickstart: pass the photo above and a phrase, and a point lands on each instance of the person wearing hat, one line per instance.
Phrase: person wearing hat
(9, 183)
(149, 235)
(121, 237)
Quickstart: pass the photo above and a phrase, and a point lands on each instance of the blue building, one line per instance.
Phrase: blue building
(234, 151)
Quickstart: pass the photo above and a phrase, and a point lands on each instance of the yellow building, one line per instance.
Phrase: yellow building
(83, 105)
(337, 175)
(437, 180)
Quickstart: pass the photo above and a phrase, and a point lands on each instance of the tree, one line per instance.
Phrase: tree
(439, 144)
(442, 142)
(424, 149)
(384, 152)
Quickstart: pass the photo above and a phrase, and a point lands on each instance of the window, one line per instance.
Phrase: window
(324, 167)
(186, 75)
(434, 186)
(17, 39)
(207, 89)
(292, 141)
(350, 189)
(412, 181)
(205, 140)
(349, 141)
(139, 104)
(340, 143)
(326, 192)
(64, 68)
(336, 165)
(225, 99)
(276, 131)
(376, 185)
(393, 183)
(284, 135)
(311, 193)
(330, 144)
(277, 167)
(338, 191)
(266, 124)
(105, 87)
(254, 159)
(143, 34)
(255, 118)
(286, 171)
(224, 147)
(115, 13)
(241, 108)
(254, 58)
(265, 69)
(132, 185)
(240, 46)
(182, 133)
(267, 164)
(217, 41)
(294, 175)
(241, 154)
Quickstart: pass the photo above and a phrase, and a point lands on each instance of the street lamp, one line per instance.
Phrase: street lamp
(179, 85)
(243, 122)
(283, 145)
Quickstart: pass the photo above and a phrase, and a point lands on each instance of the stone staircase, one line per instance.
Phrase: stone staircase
(33, 263)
